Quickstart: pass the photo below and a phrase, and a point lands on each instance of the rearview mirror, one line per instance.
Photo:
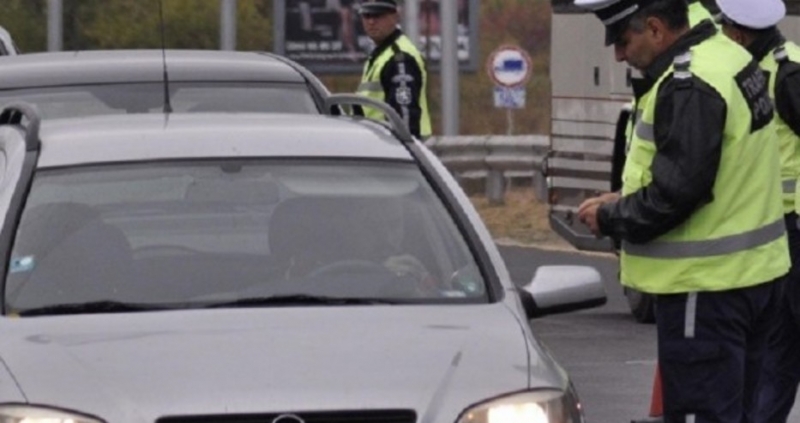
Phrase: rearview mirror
(561, 289)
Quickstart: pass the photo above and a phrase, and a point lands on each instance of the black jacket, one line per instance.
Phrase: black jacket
(689, 125)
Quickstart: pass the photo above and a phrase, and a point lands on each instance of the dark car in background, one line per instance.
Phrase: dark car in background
(100, 82)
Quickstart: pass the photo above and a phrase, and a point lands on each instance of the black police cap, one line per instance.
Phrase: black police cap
(614, 14)
(378, 7)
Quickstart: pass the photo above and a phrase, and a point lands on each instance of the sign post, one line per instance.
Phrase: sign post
(510, 68)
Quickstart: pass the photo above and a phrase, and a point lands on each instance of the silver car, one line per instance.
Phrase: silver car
(260, 268)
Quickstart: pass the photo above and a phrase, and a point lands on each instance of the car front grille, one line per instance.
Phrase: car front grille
(357, 416)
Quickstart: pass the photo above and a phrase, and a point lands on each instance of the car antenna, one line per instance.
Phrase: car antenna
(167, 105)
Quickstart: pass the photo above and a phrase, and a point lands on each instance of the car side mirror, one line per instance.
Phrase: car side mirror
(561, 289)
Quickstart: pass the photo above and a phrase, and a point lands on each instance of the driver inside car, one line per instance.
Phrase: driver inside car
(382, 236)
(357, 236)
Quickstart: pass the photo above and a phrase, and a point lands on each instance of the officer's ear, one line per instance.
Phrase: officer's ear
(741, 36)
(657, 30)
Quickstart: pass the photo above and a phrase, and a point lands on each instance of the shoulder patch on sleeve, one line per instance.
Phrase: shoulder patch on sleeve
(681, 65)
(779, 54)
(753, 83)
(403, 95)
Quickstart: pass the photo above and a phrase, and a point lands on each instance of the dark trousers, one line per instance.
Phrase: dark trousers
(711, 347)
(782, 366)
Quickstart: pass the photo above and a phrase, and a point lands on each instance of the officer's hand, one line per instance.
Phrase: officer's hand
(608, 197)
(588, 216)
(587, 211)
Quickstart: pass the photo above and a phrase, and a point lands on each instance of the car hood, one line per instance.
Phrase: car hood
(137, 367)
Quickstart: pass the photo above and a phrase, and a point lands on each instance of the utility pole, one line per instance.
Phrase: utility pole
(449, 67)
(411, 20)
(55, 25)
(278, 24)
(227, 25)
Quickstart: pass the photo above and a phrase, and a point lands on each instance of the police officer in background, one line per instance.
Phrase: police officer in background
(395, 70)
(700, 214)
(752, 24)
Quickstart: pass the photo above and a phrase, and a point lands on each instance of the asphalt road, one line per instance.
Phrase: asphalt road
(610, 358)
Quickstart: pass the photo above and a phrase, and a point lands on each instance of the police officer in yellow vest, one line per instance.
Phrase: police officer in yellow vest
(752, 24)
(395, 70)
(697, 14)
(700, 214)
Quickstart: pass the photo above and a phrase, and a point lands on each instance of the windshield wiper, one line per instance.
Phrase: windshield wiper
(108, 306)
(300, 299)
(94, 307)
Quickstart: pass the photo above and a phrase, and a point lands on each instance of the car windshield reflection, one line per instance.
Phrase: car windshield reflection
(185, 97)
(236, 233)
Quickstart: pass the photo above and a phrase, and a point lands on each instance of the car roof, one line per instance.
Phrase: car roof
(121, 138)
(117, 66)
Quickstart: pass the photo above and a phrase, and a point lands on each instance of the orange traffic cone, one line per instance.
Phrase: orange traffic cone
(656, 401)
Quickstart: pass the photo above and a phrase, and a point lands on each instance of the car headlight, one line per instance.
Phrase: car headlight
(33, 414)
(539, 406)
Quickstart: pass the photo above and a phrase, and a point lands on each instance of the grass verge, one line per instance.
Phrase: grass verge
(521, 220)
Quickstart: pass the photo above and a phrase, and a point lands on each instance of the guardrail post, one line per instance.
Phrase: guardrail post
(540, 186)
(495, 187)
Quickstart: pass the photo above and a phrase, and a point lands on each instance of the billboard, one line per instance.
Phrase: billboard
(327, 35)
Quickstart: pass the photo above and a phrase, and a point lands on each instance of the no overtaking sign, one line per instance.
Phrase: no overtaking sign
(509, 66)
(510, 69)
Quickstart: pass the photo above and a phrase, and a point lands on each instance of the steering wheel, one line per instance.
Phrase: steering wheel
(344, 267)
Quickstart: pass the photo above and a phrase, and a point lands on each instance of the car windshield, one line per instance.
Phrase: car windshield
(187, 97)
(236, 234)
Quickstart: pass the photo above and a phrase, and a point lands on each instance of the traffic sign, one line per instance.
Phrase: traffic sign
(509, 97)
(509, 66)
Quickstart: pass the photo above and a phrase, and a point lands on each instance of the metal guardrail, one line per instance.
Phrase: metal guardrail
(571, 164)
(586, 157)
(494, 158)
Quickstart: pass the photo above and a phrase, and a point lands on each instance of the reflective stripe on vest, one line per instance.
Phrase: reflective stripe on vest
(645, 131)
(690, 319)
(789, 186)
(711, 247)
